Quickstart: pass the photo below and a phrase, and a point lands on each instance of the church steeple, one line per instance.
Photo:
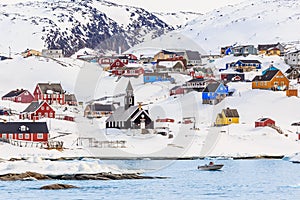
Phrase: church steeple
(129, 97)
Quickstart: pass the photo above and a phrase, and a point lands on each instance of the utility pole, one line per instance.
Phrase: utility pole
(9, 52)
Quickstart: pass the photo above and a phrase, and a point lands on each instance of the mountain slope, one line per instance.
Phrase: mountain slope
(250, 22)
(72, 25)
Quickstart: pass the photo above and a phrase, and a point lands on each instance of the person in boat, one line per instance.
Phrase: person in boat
(211, 163)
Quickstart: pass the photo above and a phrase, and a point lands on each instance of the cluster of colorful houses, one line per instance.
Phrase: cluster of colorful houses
(163, 64)
(41, 105)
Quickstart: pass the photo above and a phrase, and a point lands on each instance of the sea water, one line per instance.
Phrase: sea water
(238, 179)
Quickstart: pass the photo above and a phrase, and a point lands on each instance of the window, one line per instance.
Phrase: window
(47, 108)
(46, 115)
(10, 136)
(26, 136)
(42, 108)
(45, 96)
(230, 120)
(4, 136)
(21, 136)
(40, 136)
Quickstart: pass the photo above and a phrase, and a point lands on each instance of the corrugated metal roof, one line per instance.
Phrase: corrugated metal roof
(231, 112)
(23, 127)
(14, 93)
(121, 114)
(54, 87)
(33, 106)
(267, 76)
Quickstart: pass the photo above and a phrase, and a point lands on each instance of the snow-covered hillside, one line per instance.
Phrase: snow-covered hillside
(251, 22)
(177, 20)
(72, 25)
(89, 81)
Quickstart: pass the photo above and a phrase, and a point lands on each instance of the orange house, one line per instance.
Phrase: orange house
(271, 80)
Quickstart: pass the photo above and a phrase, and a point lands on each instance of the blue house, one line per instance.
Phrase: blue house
(244, 65)
(214, 93)
(152, 77)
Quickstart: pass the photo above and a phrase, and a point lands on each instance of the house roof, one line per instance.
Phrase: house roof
(70, 97)
(169, 64)
(231, 112)
(158, 74)
(291, 69)
(267, 76)
(196, 80)
(212, 87)
(121, 114)
(249, 61)
(23, 127)
(14, 93)
(167, 52)
(263, 119)
(51, 87)
(33, 106)
(102, 107)
(175, 87)
(193, 55)
(266, 46)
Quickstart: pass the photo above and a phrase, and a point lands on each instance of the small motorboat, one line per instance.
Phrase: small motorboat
(211, 166)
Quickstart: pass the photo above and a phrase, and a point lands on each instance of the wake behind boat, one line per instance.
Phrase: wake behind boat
(211, 166)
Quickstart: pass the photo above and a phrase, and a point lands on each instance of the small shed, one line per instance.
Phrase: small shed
(177, 90)
(264, 121)
(292, 92)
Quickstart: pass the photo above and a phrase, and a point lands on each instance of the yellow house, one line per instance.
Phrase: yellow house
(164, 55)
(273, 52)
(227, 116)
(31, 52)
(270, 49)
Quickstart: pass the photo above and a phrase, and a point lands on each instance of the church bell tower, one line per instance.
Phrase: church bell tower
(129, 97)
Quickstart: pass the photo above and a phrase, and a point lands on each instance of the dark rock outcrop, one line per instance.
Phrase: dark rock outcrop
(57, 187)
(29, 176)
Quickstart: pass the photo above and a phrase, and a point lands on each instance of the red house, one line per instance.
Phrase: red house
(24, 131)
(261, 122)
(133, 71)
(52, 93)
(117, 64)
(37, 110)
(19, 96)
(165, 120)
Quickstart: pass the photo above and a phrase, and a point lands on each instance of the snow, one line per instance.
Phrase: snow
(89, 81)
(250, 22)
(37, 164)
(199, 139)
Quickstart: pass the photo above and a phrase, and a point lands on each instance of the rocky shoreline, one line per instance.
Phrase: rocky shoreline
(31, 176)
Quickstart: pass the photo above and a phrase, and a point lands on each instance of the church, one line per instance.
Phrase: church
(130, 116)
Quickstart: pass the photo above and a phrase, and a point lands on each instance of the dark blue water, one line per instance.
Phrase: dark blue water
(239, 179)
